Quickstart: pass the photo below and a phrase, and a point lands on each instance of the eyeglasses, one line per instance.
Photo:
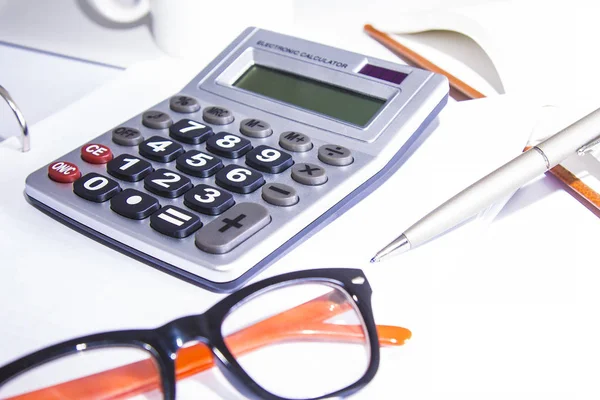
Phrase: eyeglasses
(301, 335)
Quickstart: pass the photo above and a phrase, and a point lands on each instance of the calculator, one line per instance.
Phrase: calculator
(272, 140)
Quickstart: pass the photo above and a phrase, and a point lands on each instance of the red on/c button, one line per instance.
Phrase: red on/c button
(96, 153)
(63, 172)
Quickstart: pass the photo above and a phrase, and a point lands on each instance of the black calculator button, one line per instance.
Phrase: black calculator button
(184, 104)
(156, 119)
(239, 179)
(134, 204)
(160, 149)
(190, 131)
(167, 183)
(268, 159)
(197, 163)
(95, 187)
(217, 115)
(228, 145)
(208, 200)
(128, 168)
(175, 222)
(126, 136)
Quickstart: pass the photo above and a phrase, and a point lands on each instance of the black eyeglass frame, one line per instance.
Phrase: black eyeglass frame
(164, 341)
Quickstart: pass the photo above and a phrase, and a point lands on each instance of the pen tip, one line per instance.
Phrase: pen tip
(374, 259)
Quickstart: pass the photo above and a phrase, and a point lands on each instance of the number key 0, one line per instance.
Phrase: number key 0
(239, 179)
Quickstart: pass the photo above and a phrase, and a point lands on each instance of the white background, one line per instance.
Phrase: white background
(511, 313)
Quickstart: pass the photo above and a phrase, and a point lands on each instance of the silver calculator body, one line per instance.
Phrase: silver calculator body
(350, 151)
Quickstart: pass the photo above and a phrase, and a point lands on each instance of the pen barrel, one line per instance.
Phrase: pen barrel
(480, 195)
(566, 142)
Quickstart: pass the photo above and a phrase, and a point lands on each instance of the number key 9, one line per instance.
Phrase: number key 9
(268, 159)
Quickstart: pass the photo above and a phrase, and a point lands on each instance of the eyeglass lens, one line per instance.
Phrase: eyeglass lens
(90, 374)
(315, 340)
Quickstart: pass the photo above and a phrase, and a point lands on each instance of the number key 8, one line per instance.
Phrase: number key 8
(228, 145)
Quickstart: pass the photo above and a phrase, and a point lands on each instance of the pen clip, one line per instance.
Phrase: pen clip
(588, 147)
(25, 141)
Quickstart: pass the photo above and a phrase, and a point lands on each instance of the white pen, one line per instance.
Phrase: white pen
(502, 182)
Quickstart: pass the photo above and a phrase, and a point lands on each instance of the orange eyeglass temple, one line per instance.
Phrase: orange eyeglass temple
(304, 322)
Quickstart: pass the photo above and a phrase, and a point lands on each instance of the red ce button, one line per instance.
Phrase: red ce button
(96, 153)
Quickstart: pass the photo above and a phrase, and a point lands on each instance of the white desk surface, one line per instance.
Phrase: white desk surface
(530, 285)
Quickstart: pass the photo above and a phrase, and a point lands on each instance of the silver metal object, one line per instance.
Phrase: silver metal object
(398, 246)
(588, 148)
(25, 140)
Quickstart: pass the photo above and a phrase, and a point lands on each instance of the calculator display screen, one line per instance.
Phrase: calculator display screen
(333, 101)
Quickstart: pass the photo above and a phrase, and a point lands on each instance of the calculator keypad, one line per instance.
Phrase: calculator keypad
(128, 168)
(131, 203)
(221, 166)
(208, 200)
(161, 149)
(232, 228)
(167, 183)
(239, 179)
(268, 159)
(95, 187)
(198, 163)
(190, 131)
(227, 145)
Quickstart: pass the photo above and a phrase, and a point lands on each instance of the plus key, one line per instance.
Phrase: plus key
(232, 223)
(232, 228)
